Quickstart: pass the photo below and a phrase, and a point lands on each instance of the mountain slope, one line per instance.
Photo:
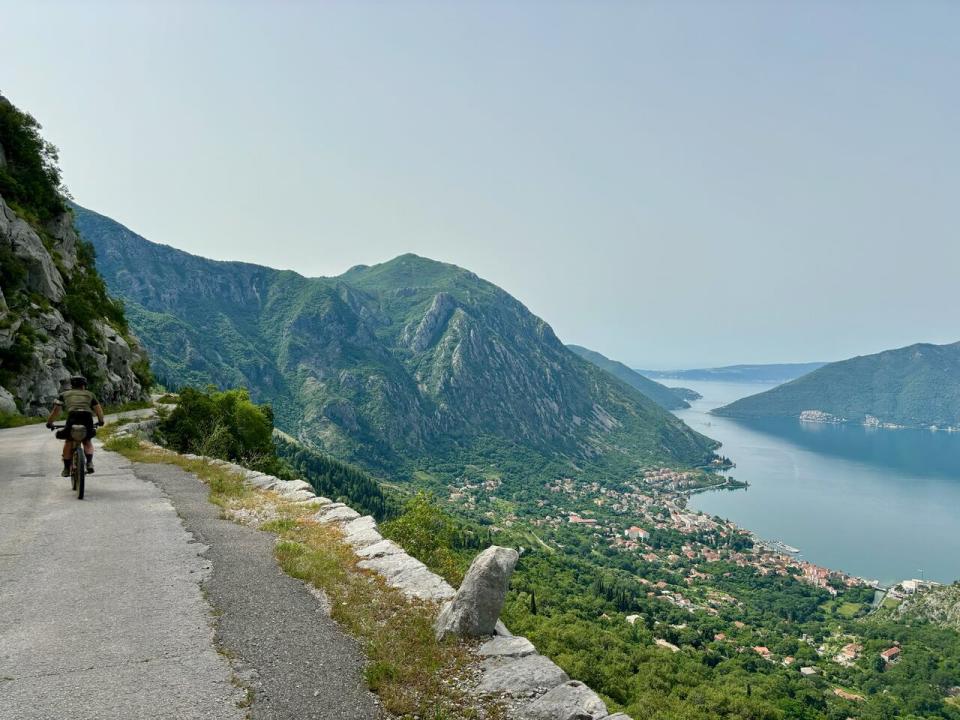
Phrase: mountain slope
(56, 318)
(774, 372)
(386, 364)
(660, 394)
(915, 386)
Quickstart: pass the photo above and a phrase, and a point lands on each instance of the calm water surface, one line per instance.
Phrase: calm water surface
(881, 504)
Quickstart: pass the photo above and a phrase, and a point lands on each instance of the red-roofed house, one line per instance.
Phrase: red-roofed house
(891, 655)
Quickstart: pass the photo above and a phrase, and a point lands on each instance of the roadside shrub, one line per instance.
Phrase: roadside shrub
(429, 534)
(30, 177)
(223, 424)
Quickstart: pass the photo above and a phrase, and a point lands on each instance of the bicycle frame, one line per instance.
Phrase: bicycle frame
(78, 469)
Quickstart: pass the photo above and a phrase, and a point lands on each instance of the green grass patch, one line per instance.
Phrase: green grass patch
(13, 421)
(848, 610)
(122, 445)
(280, 525)
(127, 407)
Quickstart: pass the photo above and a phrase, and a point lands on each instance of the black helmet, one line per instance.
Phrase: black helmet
(78, 381)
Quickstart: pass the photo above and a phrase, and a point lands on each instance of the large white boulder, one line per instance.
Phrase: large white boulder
(362, 532)
(409, 575)
(335, 513)
(571, 701)
(524, 676)
(476, 607)
(506, 647)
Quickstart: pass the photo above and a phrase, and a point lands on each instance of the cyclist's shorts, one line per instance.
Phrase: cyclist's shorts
(78, 418)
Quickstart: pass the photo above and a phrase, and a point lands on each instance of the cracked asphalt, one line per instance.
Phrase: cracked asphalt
(102, 613)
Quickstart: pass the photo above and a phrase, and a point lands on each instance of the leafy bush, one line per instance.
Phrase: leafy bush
(30, 179)
(225, 425)
(430, 535)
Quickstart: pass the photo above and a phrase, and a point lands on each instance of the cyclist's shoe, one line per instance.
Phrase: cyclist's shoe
(65, 472)
(89, 468)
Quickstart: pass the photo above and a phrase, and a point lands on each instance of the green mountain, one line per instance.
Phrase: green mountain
(56, 319)
(662, 395)
(769, 373)
(389, 364)
(915, 386)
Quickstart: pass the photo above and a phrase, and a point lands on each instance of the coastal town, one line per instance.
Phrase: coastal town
(658, 504)
(650, 519)
(635, 519)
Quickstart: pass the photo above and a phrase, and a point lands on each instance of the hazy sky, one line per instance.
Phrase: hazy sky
(672, 183)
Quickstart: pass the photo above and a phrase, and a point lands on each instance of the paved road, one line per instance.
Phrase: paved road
(102, 614)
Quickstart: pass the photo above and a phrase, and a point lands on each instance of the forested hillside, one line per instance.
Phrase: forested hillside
(915, 386)
(662, 395)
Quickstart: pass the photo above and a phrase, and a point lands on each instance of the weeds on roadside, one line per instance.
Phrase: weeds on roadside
(413, 674)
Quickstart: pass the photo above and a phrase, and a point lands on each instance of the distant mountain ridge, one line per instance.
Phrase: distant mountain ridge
(384, 364)
(662, 395)
(769, 373)
(914, 386)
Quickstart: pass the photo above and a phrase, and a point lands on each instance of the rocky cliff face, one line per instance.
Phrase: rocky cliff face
(56, 319)
(40, 347)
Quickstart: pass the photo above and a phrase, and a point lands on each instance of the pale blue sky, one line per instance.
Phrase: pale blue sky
(671, 183)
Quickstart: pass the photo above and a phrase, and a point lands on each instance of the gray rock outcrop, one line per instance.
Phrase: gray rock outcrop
(506, 647)
(422, 336)
(7, 404)
(476, 607)
(34, 314)
(524, 676)
(570, 701)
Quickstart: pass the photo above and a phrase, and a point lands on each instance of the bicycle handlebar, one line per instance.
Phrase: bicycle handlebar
(63, 427)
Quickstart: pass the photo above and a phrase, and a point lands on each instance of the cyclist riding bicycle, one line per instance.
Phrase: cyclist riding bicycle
(80, 406)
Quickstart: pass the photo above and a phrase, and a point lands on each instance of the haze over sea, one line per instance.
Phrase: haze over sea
(881, 504)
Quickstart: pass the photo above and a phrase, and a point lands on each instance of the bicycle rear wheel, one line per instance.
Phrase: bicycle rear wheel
(73, 472)
(80, 461)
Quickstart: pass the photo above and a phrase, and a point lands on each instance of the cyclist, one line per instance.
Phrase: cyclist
(80, 406)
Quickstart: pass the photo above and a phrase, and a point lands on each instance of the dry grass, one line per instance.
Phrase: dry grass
(413, 674)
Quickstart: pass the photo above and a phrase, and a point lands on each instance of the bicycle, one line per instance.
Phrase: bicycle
(78, 469)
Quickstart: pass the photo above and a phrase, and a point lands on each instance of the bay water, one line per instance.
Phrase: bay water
(880, 504)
